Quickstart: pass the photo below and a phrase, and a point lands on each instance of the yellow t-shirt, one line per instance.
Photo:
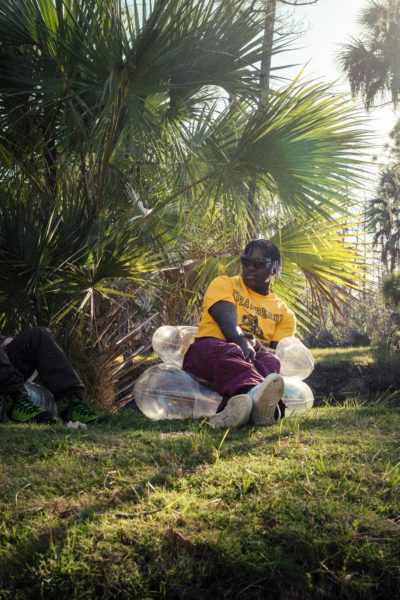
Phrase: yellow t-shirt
(266, 317)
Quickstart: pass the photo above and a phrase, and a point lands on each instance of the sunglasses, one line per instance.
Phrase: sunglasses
(256, 263)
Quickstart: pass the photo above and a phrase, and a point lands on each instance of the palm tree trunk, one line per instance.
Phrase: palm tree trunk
(270, 16)
(265, 70)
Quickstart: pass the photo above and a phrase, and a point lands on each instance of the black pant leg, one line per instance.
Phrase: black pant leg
(36, 349)
(10, 378)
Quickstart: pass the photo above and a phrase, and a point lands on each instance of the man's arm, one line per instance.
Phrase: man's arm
(224, 314)
(286, 327)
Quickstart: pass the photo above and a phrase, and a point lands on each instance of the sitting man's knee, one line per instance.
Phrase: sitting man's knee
(40, 330)
(232, 349)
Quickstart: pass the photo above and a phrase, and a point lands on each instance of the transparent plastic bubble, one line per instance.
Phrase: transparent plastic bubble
(167, 344)
(166, 392)
(188, 333)
(297, 396)
(296, 359)
(170, 343)
(42, 397)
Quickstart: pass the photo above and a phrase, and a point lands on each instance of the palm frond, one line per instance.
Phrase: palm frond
(303, 146)
(371, 62)
(319, 266)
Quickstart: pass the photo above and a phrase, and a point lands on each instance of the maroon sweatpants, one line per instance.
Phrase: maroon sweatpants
(223, 365)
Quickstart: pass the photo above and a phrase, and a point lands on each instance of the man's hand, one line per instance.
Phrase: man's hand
(224, 313)
(253, 341)
(246, 347)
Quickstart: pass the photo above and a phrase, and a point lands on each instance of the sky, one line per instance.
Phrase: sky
(328, 25)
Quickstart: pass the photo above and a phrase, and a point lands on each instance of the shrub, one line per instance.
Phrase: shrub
(391, 289)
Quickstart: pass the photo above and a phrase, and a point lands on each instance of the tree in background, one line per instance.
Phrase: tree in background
(372, 66)
(122, 158)
(383, 218)
(372, 62)
(391, 289)
(267, 11)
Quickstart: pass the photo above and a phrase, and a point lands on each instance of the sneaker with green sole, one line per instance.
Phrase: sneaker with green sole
(20, 408)
(73, 408)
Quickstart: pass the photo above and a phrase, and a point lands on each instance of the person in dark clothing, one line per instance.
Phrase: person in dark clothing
(37, 350)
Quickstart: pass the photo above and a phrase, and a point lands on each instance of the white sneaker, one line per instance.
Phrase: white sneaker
(265, 397)
(236, 412)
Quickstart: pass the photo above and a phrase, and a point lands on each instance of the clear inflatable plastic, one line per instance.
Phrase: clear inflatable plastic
(297, 396)
(296, 360)
(39, 396)
(166, 392)
(171, 342)
(42, 397)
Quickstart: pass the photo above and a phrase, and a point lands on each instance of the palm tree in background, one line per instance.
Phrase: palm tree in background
(372, 63)
(121, 154)
(383, 219)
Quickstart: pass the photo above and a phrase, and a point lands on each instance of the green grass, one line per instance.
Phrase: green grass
(360, 355)
(135, 509)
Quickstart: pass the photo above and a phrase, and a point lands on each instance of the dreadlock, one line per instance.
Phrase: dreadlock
(269, 250)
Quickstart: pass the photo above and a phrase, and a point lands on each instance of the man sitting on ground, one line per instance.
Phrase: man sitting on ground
(37, 350)
(242, 322)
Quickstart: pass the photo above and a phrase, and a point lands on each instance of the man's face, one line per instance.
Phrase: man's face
(256, 274)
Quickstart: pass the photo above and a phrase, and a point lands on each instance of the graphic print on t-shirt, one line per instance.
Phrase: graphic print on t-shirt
(266, 317)
(250, 323)
(262, 312)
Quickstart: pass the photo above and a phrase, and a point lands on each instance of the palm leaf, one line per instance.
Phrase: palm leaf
(317, 264)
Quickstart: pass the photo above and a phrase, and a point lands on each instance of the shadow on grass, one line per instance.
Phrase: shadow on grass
(192, 443)
(281, 558)
(288, 563)
(176, 567)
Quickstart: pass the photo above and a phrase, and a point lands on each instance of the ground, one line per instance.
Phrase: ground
(135, 509)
